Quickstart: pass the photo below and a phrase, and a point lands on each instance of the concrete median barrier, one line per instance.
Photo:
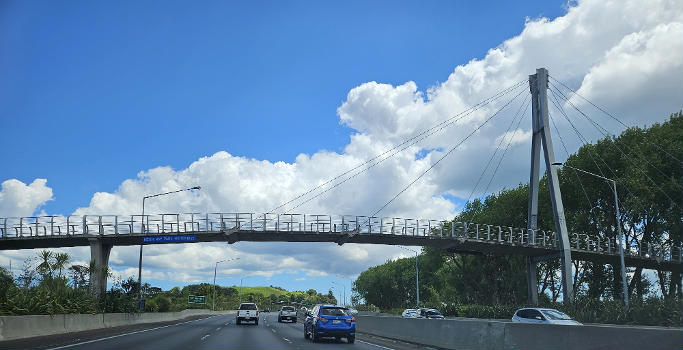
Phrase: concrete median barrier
(17, 327)
(492, 334)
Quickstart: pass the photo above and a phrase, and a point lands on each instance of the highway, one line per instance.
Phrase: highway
(221, 332)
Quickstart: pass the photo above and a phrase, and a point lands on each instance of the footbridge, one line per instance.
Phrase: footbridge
(102, 232)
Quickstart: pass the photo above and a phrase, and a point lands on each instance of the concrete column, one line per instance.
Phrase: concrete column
(99, 267)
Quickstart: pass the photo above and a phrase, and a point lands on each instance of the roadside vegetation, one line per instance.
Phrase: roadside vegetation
(645, 162)
(47, 286)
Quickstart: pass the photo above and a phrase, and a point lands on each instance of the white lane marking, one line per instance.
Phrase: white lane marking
(206, 336)
(289, 341)
(379, 346)
(124, 334)
(273, 329)
(218, 329)
(227, 323)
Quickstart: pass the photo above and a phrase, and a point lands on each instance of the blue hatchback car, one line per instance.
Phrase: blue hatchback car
(330, 321)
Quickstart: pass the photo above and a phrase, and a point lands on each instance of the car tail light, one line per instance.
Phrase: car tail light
(349, 320)
(322, 319)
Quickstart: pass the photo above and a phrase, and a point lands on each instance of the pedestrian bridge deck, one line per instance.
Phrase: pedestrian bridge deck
(459, 237)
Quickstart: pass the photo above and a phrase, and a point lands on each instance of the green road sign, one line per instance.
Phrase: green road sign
(196, 299)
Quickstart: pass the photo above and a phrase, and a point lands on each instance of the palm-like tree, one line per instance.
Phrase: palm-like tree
(45, 268)
(60, 261)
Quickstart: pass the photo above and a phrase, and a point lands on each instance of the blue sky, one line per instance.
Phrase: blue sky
(258, 101)
(94, 92)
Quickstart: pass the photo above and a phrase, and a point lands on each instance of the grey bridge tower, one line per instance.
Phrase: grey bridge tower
(538, 84)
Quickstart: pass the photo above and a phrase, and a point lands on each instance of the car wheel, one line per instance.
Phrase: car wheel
(314, 336)
(238, 321)
(256, 323)
(351, 339)
(279, 320)
(294, 320)
(338, 339)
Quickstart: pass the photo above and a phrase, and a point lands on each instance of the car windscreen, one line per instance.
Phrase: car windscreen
(334, 311)
(555, 315)
(433, 312)
(248, 307)
(287, 308)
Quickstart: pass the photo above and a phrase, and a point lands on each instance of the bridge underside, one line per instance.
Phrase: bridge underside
(447, 243)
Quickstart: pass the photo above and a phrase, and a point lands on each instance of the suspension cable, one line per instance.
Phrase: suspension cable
(512, 122)
(399, 148)
(622, 153)
(445, 155)
(495, 171)
(576, 173)
(613, 117)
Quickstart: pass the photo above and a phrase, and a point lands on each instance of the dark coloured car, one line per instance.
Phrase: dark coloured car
(330, 321)
(429, 313)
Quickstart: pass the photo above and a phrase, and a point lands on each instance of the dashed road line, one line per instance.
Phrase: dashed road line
(218, 329)
(289, 341)
(206, 336)
(124, 334)
(379, 346)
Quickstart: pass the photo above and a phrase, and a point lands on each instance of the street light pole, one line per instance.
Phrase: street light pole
(619, 234)
(241, 279)
(142, 231)
(344, 289)
(417, 277)
(213, 300)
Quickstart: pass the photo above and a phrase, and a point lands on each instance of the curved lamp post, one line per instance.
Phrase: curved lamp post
(142, 231)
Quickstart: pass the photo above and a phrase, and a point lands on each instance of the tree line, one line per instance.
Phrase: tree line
(49, 284)
(646, 164)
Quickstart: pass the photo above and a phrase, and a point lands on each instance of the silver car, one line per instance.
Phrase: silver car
(543, 316)
(409, 313)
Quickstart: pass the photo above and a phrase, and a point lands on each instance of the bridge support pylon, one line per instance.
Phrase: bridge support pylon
(99, 267)
(538, 83)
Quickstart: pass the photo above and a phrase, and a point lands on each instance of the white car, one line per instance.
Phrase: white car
(409, 313)
(543, 316)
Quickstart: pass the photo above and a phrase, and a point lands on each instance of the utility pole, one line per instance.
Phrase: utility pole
(538, 83)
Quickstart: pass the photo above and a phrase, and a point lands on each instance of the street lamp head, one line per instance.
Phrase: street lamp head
(196, 188)
(557, 163)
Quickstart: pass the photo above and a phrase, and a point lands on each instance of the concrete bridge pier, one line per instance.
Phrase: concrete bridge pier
(99, 266)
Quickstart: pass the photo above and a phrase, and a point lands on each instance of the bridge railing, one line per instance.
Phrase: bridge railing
(41, 226)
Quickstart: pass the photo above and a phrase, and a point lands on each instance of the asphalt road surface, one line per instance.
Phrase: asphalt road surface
(221, 332)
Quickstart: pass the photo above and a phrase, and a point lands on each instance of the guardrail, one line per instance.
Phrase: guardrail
(41, 226)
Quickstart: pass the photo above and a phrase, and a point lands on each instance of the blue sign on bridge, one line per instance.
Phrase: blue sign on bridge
(166, 239)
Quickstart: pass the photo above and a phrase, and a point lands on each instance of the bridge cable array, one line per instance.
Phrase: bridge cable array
(495, 171)
(613, 117)
(447, 154)
(398, 148)
(605, 133)
(640, 203)
(505, 135)
(574, 171)
(591, 153)
(602, 131)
